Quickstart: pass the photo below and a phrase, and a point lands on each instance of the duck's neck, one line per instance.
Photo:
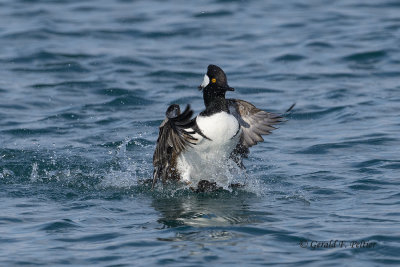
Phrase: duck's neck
(215, 102)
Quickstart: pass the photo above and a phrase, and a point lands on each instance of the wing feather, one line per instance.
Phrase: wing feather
(173, 138)
(254, 123)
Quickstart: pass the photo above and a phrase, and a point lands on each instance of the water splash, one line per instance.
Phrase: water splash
(34, 174)
(121, 168)
(128, 172)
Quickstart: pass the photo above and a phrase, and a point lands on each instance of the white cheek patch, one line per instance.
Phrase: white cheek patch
(205, 82)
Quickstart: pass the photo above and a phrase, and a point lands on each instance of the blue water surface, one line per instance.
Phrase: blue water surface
(85, 84)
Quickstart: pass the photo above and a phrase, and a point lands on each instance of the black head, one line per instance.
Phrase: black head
(215, 79)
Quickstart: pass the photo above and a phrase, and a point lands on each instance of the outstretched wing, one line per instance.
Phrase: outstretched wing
(174, 137)
(254, 123)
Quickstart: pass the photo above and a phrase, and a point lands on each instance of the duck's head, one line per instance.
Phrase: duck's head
(215, 80)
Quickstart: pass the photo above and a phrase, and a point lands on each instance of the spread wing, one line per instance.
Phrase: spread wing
(254, 123)
(174, 137)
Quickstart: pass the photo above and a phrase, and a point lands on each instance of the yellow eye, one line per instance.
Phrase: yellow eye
(213, 80)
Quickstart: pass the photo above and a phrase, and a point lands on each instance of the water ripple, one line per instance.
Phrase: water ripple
(59, 226)
(91, 238)
(366, 56)
(290, 57)
(325, 148)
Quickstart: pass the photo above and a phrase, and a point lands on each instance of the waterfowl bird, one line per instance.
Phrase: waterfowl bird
(197, 151)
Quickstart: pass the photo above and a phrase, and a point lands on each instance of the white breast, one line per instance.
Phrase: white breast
(219, 127)
(208, 159)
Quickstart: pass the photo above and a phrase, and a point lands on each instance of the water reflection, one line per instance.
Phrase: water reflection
(205, 210)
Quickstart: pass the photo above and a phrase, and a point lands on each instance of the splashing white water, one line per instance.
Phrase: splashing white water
(34, 174)
(129, 170)
(126, 176)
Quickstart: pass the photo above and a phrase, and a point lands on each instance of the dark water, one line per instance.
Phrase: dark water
(84, 86)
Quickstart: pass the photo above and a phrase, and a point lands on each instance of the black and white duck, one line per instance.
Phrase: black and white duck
(197, 151)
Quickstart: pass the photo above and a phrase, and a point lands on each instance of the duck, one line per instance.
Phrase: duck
(200, 151)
